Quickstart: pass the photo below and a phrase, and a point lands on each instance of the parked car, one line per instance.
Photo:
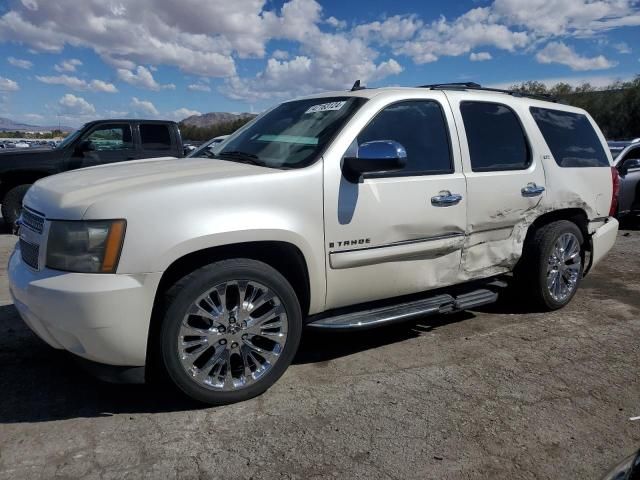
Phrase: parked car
(96, 143)
(628, 164)
(346, 211)
(209, 148)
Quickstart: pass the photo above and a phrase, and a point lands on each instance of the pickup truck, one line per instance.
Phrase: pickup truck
(95, 143)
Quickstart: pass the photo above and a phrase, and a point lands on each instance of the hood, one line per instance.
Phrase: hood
(69, 195)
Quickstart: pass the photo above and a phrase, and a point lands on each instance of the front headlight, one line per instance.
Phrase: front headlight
(85, 246)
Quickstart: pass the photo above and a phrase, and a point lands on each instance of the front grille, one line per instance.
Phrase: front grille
(30, 253)
(32, 220)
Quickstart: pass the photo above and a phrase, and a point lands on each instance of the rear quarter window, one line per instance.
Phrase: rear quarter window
(155, 136)
(571, 138)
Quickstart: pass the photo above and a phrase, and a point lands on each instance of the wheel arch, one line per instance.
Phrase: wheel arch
(284, 257)
(574, 215)
(11, 179)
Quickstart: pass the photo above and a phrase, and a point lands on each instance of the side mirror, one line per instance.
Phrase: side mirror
(379, 156)
(632, 165)
(85, 146)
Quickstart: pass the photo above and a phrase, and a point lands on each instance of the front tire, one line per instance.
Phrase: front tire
(12, 205)
(552, 265)
(229, 331)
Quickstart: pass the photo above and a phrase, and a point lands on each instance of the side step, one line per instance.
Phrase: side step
(401, 312)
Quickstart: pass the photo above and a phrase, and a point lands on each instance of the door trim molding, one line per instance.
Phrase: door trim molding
(415, 249)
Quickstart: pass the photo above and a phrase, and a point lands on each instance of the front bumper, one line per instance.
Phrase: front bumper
(100, 317)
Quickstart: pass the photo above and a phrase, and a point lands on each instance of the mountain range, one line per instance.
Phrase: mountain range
(204, 120)
(8, 125)
(214, 118)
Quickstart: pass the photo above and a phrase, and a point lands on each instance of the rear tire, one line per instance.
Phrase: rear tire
(224, 354)
(551, 268)
(12, 206)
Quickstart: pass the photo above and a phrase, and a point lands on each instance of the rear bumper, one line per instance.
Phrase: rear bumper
(603, 240)
(103, 318)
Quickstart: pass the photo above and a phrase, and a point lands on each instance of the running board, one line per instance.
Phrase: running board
(374, 317)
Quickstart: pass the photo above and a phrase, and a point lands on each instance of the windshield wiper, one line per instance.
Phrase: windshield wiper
(243, 157)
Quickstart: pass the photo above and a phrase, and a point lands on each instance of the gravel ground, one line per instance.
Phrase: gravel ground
(497, 393)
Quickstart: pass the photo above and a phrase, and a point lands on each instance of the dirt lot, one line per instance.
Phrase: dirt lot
(498, 393)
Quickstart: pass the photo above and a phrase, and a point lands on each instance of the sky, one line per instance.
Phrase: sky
(70, 61)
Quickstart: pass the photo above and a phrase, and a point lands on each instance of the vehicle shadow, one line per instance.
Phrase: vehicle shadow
(42, 384)
(325, 345)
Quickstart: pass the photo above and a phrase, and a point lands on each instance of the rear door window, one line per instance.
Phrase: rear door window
(155, 136)
(495, 136)
(571, 138)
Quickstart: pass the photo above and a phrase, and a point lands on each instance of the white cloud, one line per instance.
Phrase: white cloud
(323, 52)
(20, 63)
(67, 65)
(144, 107)
(558, 52)
(280, 54)
(561, 17)
(75, 106)
(335, 23)
(199, 87)
(78, 84)
(480, 56)
(143, 78)
(622, 47)
(398, 27)
(8, 85)
(102, 86)
(477, 27)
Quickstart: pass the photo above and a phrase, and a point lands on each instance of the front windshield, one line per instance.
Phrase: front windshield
(70, 138)
(292, 134)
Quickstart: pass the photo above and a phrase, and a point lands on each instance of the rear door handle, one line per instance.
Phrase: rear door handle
(446, 199)
(532, 190)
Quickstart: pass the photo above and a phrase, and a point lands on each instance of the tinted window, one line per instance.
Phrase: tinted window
(111, 137)
(155, 137)
(420, 127)
(495, 136)
(571, 138)
(293, 134)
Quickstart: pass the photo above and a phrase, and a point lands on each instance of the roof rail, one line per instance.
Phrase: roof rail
(477, 86)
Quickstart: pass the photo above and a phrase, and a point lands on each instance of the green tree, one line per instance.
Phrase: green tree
(616, 108)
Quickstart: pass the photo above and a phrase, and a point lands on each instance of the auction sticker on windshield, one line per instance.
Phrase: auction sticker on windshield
(326, 107)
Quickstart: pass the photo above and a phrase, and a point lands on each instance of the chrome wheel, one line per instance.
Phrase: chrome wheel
(564, 267)
(232, 335)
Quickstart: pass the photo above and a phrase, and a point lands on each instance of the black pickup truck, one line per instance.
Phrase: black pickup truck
(95, 143)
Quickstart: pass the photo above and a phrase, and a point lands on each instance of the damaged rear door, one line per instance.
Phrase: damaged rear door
(505, 182)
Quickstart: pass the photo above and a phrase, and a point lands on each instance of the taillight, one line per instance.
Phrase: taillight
(615, 180)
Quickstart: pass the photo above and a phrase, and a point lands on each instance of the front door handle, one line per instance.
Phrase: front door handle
(446, 199)
(532, 190)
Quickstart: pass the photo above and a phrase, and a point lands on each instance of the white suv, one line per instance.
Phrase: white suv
(344, 210)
